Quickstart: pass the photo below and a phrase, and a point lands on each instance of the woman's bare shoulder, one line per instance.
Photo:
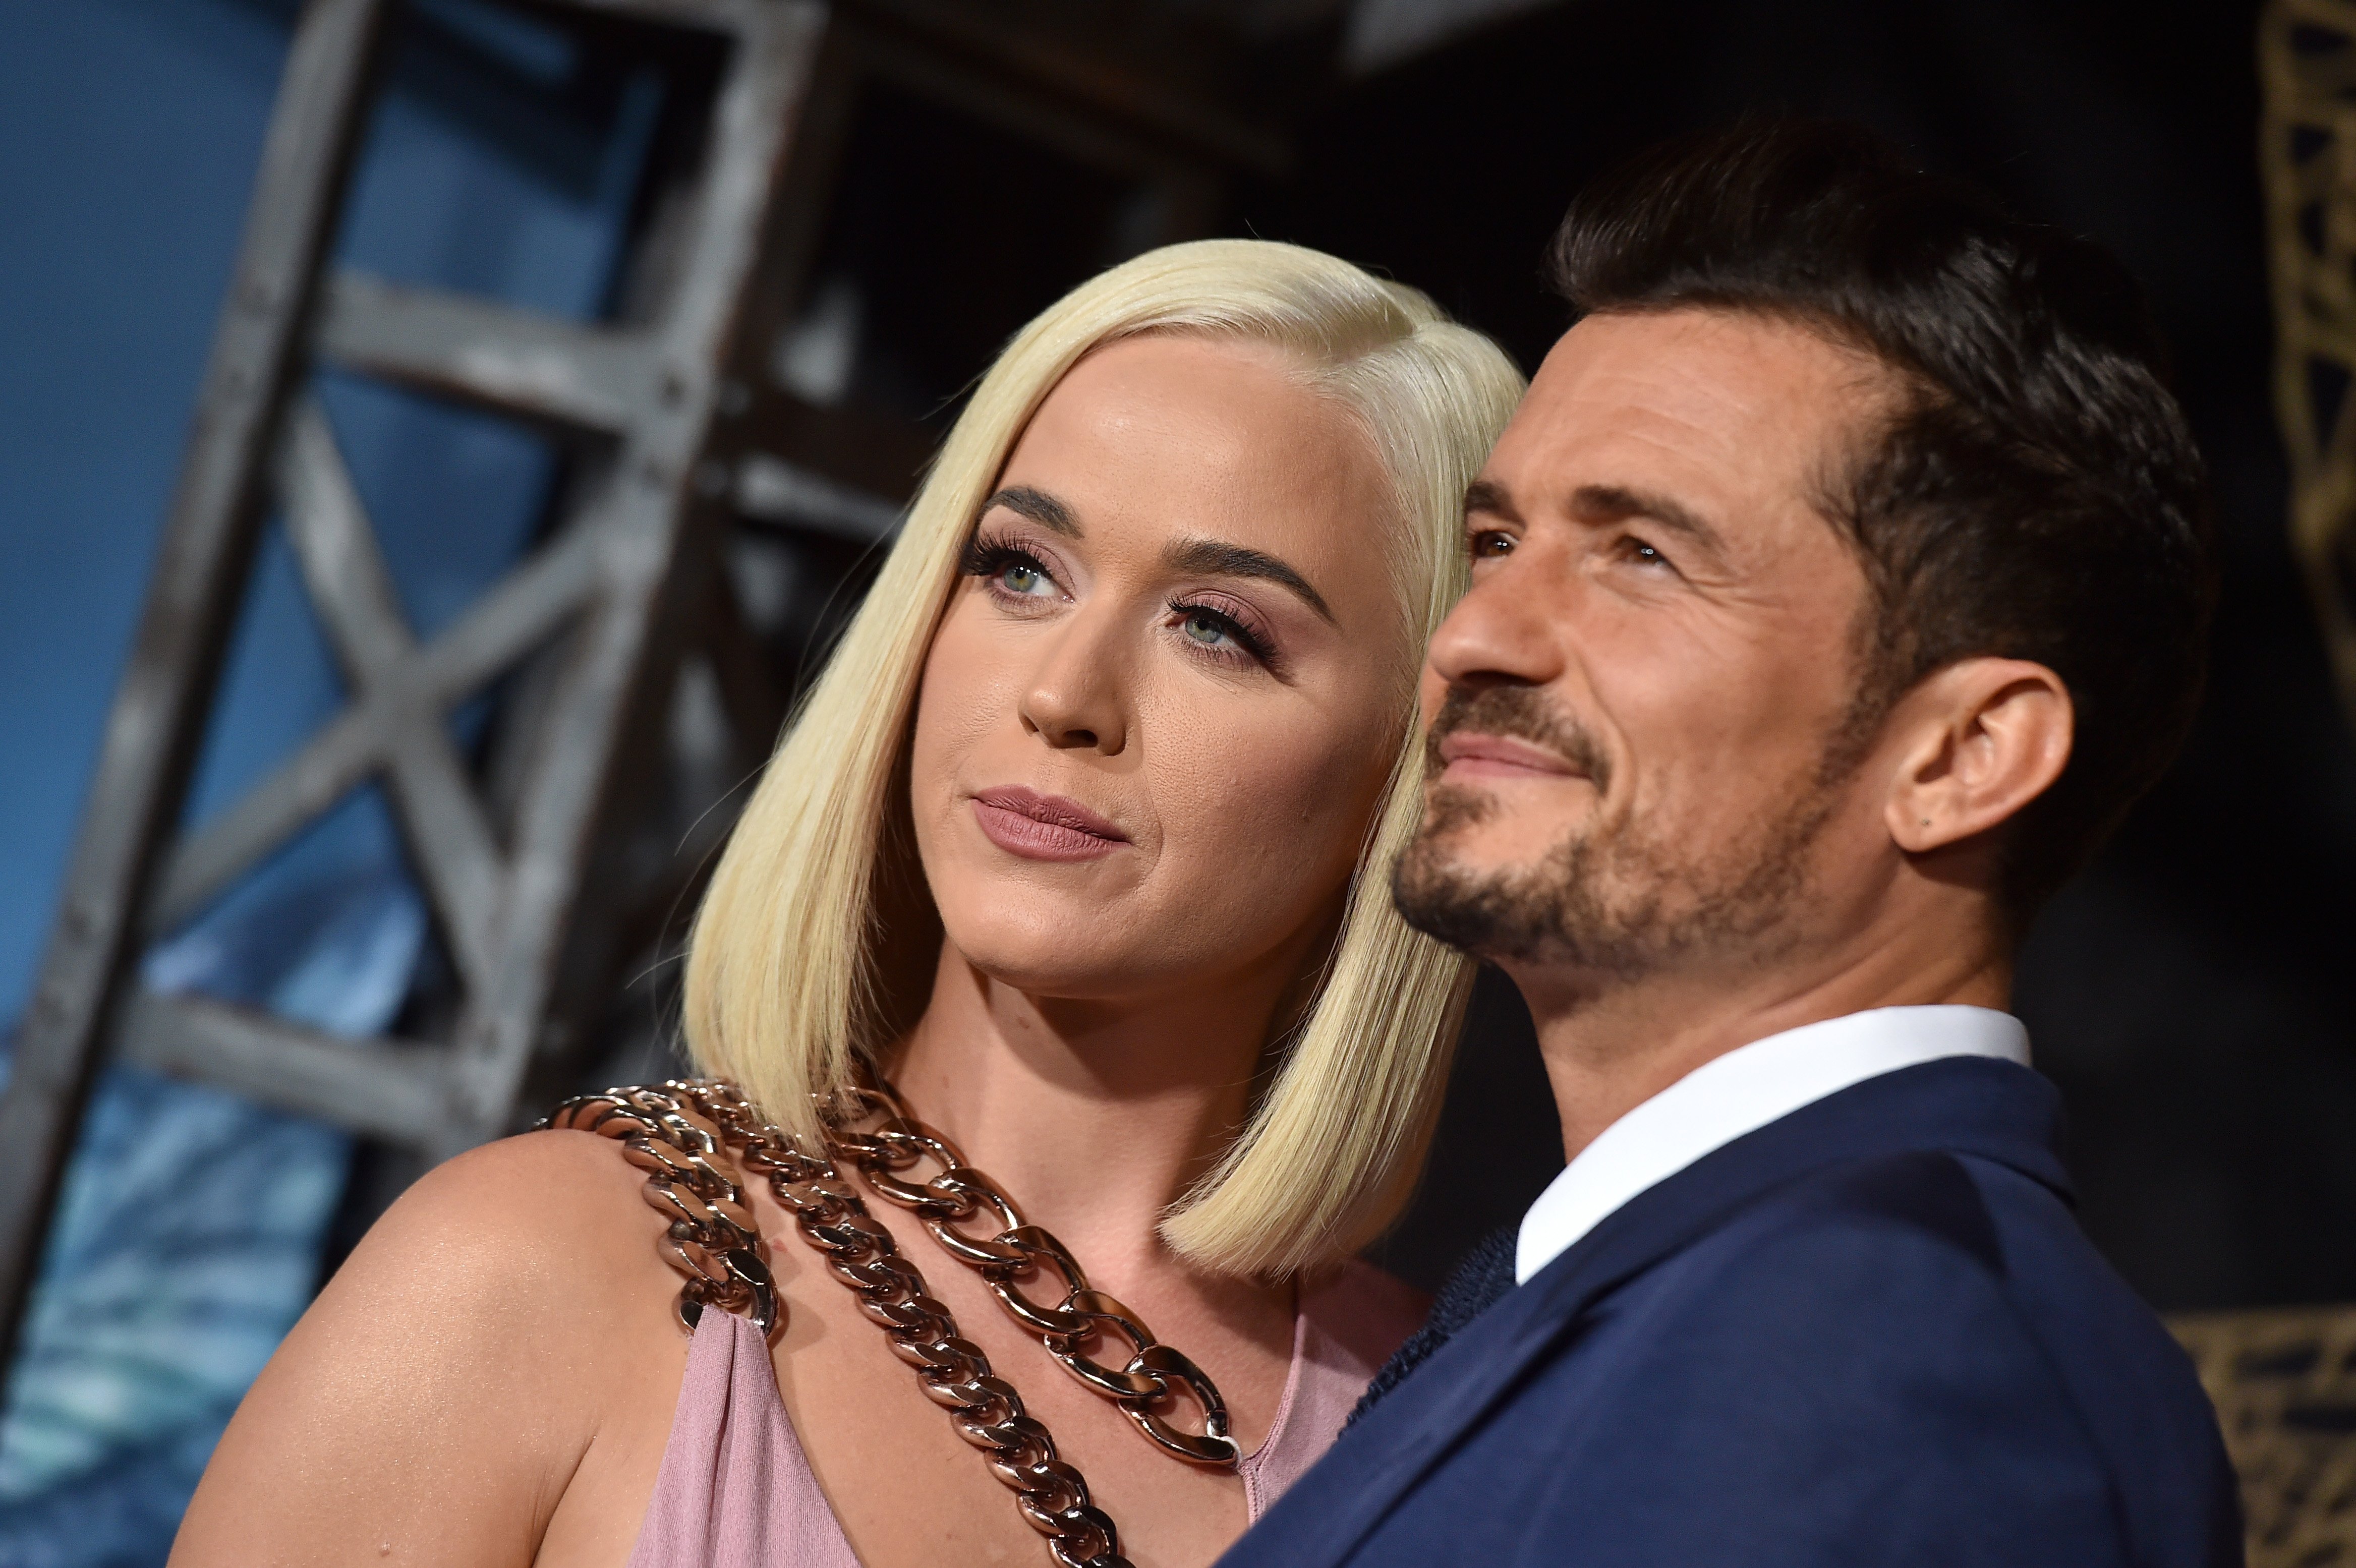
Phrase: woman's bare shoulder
(548, 1221)
(499, 1316)
(530, 1260)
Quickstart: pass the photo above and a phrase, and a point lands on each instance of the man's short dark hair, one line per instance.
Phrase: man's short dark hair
(2038, 497)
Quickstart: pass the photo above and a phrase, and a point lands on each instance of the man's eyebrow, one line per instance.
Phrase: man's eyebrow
(1217, 558)
(1039, 507)
(1488, 496)
(1611, 503)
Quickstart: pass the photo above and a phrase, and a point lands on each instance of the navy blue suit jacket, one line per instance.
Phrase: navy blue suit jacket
(1869, 1333)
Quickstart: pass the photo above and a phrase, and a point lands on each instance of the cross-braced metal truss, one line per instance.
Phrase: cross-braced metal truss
(2306, 65)
(2283, 1382)
(605, 590)
(534, 860)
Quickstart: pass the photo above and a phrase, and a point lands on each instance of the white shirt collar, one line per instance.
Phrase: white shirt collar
(1742, 1092)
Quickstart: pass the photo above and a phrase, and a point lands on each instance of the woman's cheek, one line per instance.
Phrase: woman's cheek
(953, 714)
(1338, 790)
(1278, 806)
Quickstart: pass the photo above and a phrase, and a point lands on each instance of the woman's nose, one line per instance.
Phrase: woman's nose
(1076, 698)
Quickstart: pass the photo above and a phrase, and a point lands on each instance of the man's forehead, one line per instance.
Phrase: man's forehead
(1737, 406)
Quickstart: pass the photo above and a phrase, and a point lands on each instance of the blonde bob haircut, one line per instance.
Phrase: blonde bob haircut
(786, 978)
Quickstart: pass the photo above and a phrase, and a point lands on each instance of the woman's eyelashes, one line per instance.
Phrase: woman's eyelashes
(1223, 634)
(1020, 581)
(1010, 574)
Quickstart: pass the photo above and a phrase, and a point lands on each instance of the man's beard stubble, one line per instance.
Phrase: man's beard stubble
(1609, 898)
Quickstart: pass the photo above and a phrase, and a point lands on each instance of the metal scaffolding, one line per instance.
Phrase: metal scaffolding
(535, 858)
(2281, 1379)
(2306, 153)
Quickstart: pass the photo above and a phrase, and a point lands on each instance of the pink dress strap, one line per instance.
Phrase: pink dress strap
(736, 1491)
(1347, 1327)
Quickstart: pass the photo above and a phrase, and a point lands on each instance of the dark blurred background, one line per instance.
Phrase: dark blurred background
(2188, 994)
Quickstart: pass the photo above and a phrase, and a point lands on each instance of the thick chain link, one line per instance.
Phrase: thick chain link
(712, 1238)
(691, 1119)
(1144, 1383)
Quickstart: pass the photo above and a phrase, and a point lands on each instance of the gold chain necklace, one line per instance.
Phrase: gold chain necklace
(676, 1132)
(1153, 1373)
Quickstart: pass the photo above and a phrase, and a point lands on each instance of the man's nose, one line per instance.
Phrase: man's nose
(1078, 697)
(1506, 630)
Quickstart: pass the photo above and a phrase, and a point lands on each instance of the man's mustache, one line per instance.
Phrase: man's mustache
(1522, 713)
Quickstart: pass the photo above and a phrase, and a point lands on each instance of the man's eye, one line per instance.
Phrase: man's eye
(1490, 543)
(1644, 554)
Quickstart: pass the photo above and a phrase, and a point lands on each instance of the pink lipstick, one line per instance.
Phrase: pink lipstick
(1043, 827)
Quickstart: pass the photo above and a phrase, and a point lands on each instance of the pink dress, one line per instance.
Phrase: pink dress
(736, 1490)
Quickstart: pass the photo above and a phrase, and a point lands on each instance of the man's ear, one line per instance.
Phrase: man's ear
(1983, 738)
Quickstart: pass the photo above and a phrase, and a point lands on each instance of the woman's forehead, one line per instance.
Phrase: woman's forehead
(1168, 433)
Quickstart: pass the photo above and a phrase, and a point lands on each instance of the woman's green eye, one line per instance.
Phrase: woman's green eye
(1204, 629)
(1019, 578)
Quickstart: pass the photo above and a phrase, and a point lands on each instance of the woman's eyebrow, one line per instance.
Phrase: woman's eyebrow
(1217, 558)
(1039, 507)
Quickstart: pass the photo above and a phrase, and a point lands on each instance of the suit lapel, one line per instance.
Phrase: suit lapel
(1970, 1105)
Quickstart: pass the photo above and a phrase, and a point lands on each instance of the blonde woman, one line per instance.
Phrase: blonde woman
(1081, 843)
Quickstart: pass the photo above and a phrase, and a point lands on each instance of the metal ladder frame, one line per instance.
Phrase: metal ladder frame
(608, 579)
(2306, 155)
(602, 611)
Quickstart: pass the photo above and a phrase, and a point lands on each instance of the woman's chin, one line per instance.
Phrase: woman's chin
(1065, 972)
(1080, 955)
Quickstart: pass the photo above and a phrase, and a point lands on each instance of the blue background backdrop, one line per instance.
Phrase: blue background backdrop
(500, 162)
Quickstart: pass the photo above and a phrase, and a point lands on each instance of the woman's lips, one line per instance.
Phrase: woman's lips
(1043, 827)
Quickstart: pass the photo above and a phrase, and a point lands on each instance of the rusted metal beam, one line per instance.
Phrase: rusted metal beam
(770, 490)
(450, 837)
(868, 451)
(522, 613)
(391, 1089)
(2283, 1382)
(683, 429)
(158, 719)
(2306, 156)
(1124, 91)
(750, 694)
(618, 673)
(1077, 130)
(490, 355)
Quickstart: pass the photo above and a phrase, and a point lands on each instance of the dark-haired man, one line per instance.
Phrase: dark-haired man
(1838, 586)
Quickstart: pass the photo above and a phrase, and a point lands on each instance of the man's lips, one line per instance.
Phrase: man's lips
(1466, 754)
(1043, 827)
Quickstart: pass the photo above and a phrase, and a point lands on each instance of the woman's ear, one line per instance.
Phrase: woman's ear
(1986, 737)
